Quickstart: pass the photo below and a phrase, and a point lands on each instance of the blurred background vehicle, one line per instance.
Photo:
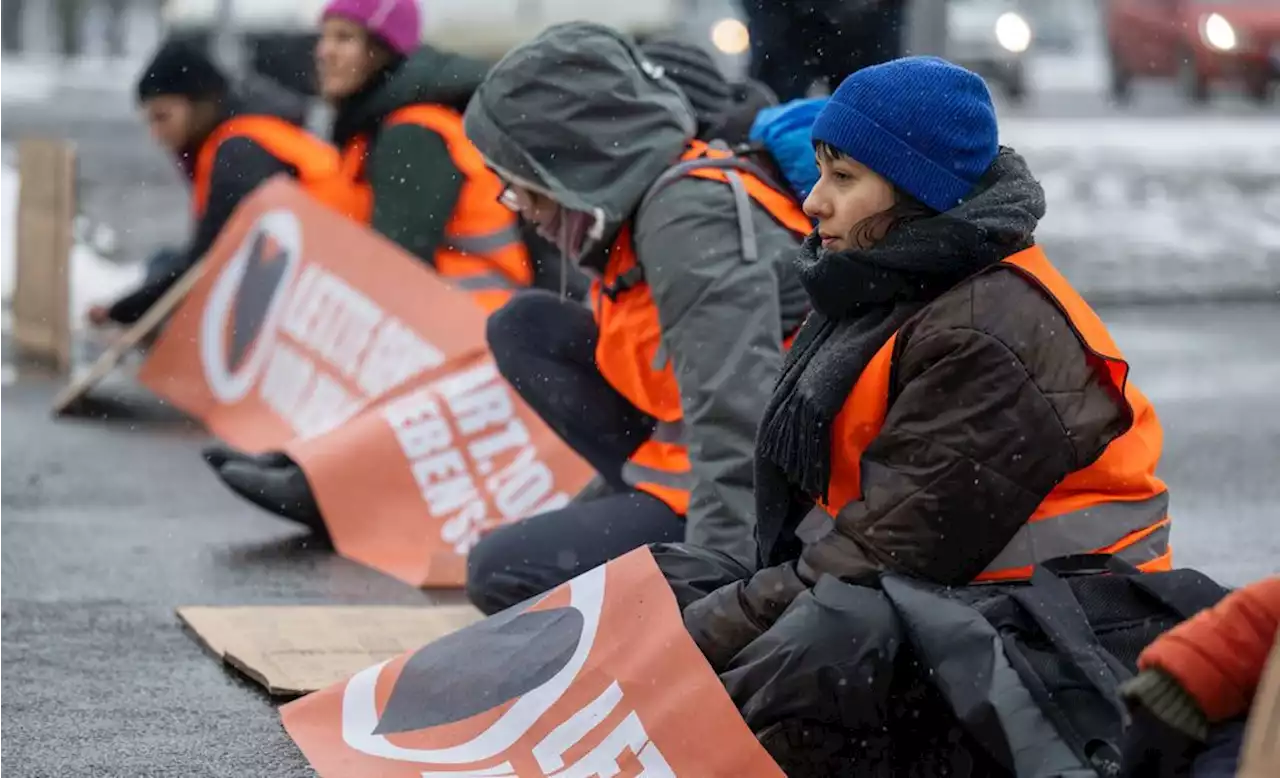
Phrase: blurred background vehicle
(992, 38)
(1199, 43)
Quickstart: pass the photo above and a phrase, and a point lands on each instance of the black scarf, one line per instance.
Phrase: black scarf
(353, 115)
(860, 298)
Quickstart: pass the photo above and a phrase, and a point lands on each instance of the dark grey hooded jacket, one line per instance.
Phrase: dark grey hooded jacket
(579, 113)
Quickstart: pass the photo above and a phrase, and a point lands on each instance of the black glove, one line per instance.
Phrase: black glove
(282, 490)
(219, 454)
(725, 621)
(1167, 729)
(1153, 749)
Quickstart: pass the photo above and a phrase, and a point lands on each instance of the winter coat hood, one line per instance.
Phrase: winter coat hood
(580, 114)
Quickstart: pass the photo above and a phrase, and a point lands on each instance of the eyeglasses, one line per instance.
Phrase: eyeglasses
(511, 197)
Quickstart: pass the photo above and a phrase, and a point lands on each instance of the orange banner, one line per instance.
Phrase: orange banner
(596, 678)
(406, 486)
(308, 333)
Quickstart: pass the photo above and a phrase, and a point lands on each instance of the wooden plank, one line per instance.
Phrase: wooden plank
(42, 294)
(1260, 757)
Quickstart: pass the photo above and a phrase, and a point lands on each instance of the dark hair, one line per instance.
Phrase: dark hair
(905, 208)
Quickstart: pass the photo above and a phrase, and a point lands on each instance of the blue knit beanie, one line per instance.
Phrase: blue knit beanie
(924, 124)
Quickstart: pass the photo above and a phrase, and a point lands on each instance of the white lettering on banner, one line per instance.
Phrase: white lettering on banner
(332, 319)
(325, 407)
(287, 377)
(602, 760)
(334, 332)
(311, 402)
(550, 752)
(505, 486)
(441, 472)
(479, 402)
(396, 355)
(488, 447)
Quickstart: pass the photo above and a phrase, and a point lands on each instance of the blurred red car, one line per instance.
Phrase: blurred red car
(1197, 42)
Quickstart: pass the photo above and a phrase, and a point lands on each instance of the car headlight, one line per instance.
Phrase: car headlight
(1013, 32)
(1218, 32)
(730, 36)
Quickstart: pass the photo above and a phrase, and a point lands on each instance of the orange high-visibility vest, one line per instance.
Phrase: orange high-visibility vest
(629, 351)
(483, 252)
(315, 161)
(1116, 505)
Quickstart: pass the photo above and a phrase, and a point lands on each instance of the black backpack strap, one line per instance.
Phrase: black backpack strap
(1185, 592)
(1055, 609)
(624, 282)
(732, 167)
(1089, 564)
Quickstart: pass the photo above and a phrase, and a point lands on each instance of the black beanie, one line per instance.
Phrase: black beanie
(181, 69)
(695, 72)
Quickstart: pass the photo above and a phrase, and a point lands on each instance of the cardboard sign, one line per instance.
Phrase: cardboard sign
(42, 287)
(1260, 757)
(309, 334)
(293, 650)
(596, 678)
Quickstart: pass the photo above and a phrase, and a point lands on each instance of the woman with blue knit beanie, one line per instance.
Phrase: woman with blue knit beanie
(952, 411)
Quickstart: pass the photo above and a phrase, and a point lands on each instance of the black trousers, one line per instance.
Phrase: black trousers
(545, 348)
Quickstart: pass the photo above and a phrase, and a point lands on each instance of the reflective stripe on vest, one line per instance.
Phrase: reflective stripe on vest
(1115, 505)
(315, 161)
(630, 353)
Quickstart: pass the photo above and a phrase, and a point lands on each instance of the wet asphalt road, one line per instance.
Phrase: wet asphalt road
(111, 524)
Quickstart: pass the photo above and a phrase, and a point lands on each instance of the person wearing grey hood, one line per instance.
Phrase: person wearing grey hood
(661, 385)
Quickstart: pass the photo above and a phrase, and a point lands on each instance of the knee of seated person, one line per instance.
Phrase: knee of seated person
(507, 329)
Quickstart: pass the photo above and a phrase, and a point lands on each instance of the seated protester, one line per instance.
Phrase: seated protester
(413, 176)
(1197, 681)
(227, 146)
(784, 134)
(724, 111)
(952, 411)
(661, 388)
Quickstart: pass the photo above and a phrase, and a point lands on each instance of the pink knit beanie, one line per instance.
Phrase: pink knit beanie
(396, 23)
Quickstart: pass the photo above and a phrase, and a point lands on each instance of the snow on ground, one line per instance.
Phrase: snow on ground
(1154, 207)
(94, 279)
(36, 79)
